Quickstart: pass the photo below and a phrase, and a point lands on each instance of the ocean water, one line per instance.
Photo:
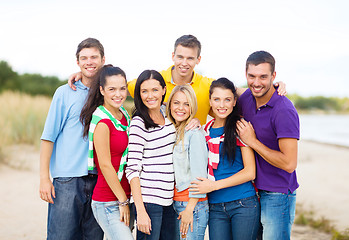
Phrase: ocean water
(332, 129)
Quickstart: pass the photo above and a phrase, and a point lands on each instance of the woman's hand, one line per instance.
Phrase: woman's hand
(202, 186)
(281, 88)
(194, 123)
(125, 214)
(143, 222)
(186, 220)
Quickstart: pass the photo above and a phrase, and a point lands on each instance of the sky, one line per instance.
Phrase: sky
(308, 38)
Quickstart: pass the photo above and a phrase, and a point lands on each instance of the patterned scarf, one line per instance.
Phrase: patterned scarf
(213, 149)
(99, 114)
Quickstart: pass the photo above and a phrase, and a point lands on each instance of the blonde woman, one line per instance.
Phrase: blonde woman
(190, 162)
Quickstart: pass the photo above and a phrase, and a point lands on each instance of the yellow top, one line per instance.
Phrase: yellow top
(200, 84)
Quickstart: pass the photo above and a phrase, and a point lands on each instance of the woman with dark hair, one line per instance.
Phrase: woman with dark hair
(234, 209)
(106, 123)
(150, 166)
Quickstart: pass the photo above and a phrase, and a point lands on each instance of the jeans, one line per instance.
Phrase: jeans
(107, 215)
(200, 220)
(238, 220)
(71, 217)
(277, 214)
(163, 222)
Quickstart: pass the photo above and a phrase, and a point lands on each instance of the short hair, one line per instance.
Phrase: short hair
(140, 109)
(188, 41)
(90, 43)
(259, 57)
(193, 106)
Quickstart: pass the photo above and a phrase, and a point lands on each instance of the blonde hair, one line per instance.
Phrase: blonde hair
(193, 106)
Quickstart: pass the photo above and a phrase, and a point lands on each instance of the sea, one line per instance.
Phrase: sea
(325, 128)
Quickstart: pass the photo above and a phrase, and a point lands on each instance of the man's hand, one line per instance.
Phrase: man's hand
(74, 78)
(246, 132)
(47, 191)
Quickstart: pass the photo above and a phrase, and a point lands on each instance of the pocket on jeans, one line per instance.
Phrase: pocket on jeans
(248, 202)
(63, 179)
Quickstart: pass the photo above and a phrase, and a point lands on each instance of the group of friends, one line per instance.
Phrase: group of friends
(196, 152)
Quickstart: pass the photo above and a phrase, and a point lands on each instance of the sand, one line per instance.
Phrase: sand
(322, 171)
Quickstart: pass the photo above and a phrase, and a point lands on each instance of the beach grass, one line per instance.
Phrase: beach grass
(306, 217)
(22, 118)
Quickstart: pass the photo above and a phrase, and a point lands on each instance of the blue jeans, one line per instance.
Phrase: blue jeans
(200, 220)
(107, 215)
(277, 214)
(71, 217)
(163, 222)
(238, 220)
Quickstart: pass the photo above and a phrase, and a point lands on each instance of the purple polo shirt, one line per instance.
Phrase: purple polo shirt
(276, 119)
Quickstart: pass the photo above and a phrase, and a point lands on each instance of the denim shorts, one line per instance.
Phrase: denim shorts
(238, 220)
(200, 220)
(107, 215)
(71, 217)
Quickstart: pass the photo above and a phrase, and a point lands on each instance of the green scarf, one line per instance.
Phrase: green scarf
(99, 114)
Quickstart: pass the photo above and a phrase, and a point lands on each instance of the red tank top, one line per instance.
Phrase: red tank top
(118, 144)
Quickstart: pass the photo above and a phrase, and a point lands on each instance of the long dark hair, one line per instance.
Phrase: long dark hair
(95, 98)
(230, 133)
(140, 109)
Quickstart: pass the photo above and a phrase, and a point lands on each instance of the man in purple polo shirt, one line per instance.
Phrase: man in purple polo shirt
(272, 130)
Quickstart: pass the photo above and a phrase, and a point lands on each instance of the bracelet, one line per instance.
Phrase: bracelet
(127, 202)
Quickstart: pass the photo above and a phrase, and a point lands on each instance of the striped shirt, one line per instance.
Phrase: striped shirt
(150, 159)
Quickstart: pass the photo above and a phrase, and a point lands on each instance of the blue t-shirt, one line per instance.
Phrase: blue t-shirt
(226, 169)
(64, 129)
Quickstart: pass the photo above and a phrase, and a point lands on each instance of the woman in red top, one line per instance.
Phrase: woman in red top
(106, 123)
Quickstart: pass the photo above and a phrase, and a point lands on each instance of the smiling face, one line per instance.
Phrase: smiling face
(151, 94)
(90, 62)
(180, 107)
(114, 92)
(260, 80)
(222, 102)
(185, 59)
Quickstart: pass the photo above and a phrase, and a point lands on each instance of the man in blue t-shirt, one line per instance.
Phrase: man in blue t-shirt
(64, 154)
(272, 130)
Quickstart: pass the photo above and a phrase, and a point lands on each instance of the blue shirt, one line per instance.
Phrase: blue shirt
(64, 129)
(190, 160)
(226, 169)
(276, 119)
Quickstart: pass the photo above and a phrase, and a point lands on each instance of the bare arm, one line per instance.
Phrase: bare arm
(246, 174)
(101, 142)
(46, 190)
(285, 159)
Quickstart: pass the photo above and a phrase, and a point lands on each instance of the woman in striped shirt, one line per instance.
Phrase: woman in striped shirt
(150, 166)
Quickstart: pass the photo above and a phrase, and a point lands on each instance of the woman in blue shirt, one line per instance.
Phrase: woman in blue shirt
(234, 207)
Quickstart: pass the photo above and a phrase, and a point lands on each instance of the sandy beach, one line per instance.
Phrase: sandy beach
(322, 171)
